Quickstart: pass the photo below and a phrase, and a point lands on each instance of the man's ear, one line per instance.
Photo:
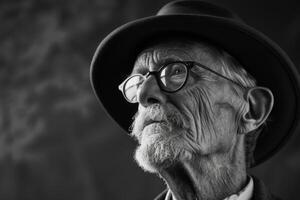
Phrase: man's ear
(260, 103)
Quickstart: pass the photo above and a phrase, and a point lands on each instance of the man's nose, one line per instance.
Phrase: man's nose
(149, 93)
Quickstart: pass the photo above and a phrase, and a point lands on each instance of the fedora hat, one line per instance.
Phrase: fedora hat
(261, 57)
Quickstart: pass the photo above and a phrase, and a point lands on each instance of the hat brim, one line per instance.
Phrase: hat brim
(261, 57)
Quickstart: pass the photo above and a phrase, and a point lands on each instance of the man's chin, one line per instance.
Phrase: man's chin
(151, 161)
(157, 152)
(160, 147)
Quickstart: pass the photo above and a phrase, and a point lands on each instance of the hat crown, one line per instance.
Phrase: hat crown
(195, 7)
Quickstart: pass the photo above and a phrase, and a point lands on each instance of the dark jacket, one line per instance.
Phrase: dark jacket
(260, 192)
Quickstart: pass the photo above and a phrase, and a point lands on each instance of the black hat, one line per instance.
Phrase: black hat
(261, 57)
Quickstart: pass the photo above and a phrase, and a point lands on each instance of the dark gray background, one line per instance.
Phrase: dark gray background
(55, 141)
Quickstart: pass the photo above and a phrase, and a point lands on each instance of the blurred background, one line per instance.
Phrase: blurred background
(56, 142)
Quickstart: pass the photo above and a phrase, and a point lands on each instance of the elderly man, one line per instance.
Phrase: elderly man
(205, 84)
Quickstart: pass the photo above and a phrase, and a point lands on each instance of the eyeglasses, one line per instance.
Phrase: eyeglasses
(171, 77)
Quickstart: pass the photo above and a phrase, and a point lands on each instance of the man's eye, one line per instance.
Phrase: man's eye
(177, 69)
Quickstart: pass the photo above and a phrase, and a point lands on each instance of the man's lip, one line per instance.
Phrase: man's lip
(147, 123)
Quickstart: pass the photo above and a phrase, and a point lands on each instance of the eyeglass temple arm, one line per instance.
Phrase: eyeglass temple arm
(218, 74)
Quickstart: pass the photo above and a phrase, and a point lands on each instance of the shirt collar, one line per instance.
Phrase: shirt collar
(245, 194)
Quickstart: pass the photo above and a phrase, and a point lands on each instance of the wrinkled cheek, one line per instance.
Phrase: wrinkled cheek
(193, 130)
(225, 127)
(190, 111)
(211, 126)
(199, 118)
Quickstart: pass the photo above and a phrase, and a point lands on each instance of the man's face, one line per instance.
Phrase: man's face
(199, 120)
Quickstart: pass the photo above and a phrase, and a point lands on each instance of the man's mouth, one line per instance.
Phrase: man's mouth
(147, 123)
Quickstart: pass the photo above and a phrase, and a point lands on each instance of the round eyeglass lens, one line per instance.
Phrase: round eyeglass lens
(131, 86)
(173, 76)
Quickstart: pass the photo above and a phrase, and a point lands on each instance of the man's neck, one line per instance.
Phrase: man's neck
(211, 178)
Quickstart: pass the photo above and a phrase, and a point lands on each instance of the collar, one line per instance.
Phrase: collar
(245, 194)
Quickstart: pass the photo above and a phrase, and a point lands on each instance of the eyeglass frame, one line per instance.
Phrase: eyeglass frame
(188, 64)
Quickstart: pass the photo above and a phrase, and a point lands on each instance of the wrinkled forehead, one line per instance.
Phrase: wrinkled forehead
(175, 49)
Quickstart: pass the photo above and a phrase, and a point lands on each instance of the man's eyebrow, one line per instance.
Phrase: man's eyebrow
(169, 60)
(143, 69)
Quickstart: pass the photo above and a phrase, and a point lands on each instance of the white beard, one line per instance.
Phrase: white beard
(160, 144)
